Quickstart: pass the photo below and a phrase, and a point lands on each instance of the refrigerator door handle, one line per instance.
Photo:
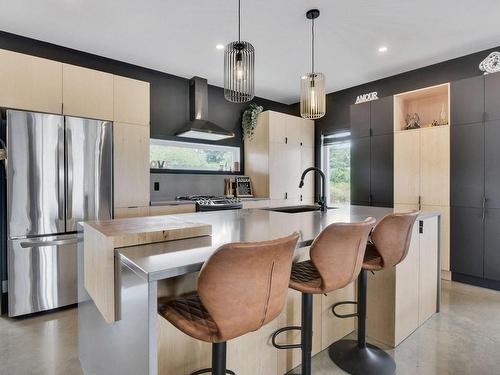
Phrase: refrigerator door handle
(27, 244)
(60, 169)
(69, 175)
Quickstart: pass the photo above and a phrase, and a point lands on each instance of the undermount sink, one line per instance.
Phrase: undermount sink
(294, 209)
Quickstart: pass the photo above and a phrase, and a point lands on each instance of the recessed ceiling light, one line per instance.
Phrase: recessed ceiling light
(382, 49)
(219, 46)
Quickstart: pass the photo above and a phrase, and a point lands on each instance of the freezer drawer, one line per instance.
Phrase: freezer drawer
(42, 273)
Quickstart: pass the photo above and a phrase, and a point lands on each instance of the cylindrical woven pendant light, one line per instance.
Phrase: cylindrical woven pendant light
(239, 69)
(312, 85)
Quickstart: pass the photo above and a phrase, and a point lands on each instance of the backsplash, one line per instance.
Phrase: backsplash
(173, 185)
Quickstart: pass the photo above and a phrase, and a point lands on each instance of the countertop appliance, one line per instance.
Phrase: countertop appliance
(59, 172)
(213, 203)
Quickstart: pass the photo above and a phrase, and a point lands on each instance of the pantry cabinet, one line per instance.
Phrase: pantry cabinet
(282, 147)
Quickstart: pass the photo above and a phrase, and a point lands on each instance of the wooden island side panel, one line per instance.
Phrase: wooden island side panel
(103, 237)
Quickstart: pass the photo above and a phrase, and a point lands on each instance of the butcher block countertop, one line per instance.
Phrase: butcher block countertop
(101, 238)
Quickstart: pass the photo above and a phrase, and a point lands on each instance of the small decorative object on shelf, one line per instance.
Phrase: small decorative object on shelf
(243, 187)
(491, 64)
(412, 121)
(249, 120)
(443, 119)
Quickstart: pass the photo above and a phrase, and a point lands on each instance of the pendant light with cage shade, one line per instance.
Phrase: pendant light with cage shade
(239, 68)
(312, 85)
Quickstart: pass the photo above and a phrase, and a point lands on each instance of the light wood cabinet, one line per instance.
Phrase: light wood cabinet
(282, 147)
(172, 209)
(402, 298)
(125, 212)
(131, 101)
(407, 167)
(87, 93)
(422, 157)
(30, 83)
(435, 166)
(131, 165)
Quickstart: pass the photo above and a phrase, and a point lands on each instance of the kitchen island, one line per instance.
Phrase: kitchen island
(141, 342)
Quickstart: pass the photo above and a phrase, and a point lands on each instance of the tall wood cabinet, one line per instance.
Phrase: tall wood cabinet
(475, 179)
(282, 147)
(372, 153)
(422, 158)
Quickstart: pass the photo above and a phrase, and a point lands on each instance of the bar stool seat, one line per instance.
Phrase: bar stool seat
(188, 315)
(305, 278)
(373, 260)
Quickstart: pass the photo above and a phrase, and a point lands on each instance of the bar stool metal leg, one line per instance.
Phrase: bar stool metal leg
(218, 361)
(358, 357)
(306, 333)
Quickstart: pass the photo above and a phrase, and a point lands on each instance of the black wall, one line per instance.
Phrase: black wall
(169, 93)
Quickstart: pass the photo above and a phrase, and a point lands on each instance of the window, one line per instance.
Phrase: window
(172, 155)
(336, 162)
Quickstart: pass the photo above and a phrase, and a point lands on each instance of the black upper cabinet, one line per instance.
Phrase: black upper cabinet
(467, 101)
(492, 163)
(467, 241)
(492, 96)
(360, 120)
(492, 245)
(382, 170)
(467, 165)
(382, 116)
(360, 171)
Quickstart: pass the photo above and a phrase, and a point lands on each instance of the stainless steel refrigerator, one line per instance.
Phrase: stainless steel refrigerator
(59, 172)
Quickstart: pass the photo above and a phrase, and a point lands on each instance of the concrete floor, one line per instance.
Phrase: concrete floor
(463, 339)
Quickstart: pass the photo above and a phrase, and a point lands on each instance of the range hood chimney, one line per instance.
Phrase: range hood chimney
(199, 127)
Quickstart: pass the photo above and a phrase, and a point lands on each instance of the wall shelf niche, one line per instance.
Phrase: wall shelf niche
(427, 103)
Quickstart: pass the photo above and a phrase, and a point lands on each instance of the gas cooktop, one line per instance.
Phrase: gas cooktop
(213, 202)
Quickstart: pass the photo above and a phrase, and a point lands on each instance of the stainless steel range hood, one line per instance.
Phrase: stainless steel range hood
(199, 127)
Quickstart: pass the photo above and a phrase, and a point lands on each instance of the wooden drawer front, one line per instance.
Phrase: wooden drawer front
(131, 101)
(30, 83)
(87, 93)
(124, 212)
(173, 209)
(131, 165)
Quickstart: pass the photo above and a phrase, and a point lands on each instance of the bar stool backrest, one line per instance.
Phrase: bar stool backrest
(338, 251)
(244, 285)
(392, 236)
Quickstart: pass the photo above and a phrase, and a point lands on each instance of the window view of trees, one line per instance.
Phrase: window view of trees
(175, 155)
(340, 172)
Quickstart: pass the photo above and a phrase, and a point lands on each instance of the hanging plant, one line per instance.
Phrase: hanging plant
(249, 120)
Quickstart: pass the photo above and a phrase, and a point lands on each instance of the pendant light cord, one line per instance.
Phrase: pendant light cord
(312, 45)
(239, 21)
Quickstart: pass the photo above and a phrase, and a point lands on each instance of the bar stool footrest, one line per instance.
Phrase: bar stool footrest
(286, 346)
(368, 360)
(209, 371)
(344, 316)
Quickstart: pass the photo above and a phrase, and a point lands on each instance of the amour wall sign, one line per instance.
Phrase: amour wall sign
(367, 97)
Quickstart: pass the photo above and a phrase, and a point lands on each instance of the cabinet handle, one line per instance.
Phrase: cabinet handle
(484, 209)
(286, 140)
(421, 226)
(419, 202)
(286, 195)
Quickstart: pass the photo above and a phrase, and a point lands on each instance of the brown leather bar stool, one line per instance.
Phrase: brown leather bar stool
(336, 259)
(242, 287)
(388, 246)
